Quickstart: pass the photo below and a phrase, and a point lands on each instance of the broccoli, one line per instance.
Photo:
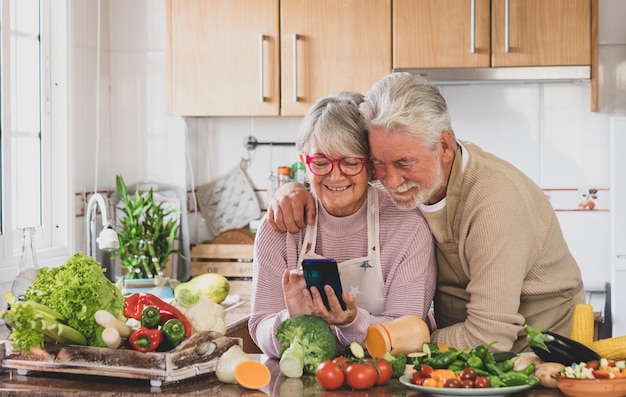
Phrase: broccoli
(398, 364)
(305, 341)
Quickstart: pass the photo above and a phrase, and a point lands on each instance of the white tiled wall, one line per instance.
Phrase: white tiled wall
(547, 130)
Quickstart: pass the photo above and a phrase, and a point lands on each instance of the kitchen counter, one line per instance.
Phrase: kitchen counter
(66, 385)
(71, 385)
(52, 384)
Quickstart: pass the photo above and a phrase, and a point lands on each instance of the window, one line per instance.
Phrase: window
(33, 129)
(26, 121)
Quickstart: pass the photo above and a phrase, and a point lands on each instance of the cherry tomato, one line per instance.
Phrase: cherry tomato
(361, 376)
(467, 373)
(452, 383)
(417, 379)
(426, 371)
(329, 375)
(384, 370)
(599, 374)
(593, 364)
(467, 384)
(482, 382)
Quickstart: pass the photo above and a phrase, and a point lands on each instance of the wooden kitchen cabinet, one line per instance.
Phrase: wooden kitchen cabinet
(220, 66)
(329, 46)
(223, 57)
(449, 34)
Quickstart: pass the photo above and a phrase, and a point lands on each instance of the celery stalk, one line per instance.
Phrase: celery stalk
(33, 324)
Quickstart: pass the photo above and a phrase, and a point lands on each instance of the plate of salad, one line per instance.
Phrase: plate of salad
(461, 392)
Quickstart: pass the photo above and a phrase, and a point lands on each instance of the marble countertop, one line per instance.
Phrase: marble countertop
(67, 385)
(53, 384)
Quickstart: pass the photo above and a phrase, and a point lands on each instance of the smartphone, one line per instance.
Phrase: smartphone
(321, 272)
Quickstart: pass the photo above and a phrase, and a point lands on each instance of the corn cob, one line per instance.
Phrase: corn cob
(583, 329)
(583, 324)
(611, 348)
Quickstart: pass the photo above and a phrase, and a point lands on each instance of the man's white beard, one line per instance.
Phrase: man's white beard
(420, 196)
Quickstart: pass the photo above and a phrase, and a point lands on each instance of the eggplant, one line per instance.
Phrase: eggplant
(552, 347)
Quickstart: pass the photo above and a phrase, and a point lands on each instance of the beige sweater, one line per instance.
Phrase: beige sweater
(513, 261)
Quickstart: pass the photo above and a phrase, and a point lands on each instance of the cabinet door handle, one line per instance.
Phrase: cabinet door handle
(473, 27)
(506, 26)
(261, 69)
(295, 67)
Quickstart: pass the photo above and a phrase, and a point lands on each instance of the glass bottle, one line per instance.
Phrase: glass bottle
(298, 172)
(284, 176)
(27, 270)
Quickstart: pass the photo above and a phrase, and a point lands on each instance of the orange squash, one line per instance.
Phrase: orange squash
(405, 334)
(252, 374)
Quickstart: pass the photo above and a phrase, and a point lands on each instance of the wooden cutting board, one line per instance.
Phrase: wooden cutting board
(195, 356)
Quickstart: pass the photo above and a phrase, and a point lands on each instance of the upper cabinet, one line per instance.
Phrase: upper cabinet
(223, 57)
(229, 57)
(491, 33)
(329, 46)
(277, 57)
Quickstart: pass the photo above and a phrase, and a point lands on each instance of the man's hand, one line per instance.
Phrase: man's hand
(291, 208)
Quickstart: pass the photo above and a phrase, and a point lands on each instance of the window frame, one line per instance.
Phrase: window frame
(53, 237)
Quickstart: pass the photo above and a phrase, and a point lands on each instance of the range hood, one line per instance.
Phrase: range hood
(534, 74)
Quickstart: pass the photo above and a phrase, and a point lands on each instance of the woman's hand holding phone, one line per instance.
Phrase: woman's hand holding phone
(294, 288)
(327, 299)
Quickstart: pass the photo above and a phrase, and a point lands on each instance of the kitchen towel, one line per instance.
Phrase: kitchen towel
(229, 202)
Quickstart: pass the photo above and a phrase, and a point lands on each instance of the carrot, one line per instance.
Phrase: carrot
(252, 374)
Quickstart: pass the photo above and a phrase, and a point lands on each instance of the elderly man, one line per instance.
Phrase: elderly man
(502, 258)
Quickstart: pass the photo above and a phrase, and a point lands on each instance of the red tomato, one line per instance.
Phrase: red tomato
(467, 373)
(384, 370)
(600, 375)
(426, 371)
(329, 375)
(482, 382)
(452, 383)
(594, 364)
(417, 379)
(341, 361)
(361, 376)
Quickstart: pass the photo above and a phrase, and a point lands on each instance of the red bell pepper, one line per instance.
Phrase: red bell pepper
(145, 339)
(135, 303)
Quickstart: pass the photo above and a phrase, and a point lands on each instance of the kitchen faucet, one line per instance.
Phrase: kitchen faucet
(107, 240)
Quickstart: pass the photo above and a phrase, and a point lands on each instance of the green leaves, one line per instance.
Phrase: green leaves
(33, 323)
(148, 233)
(76, 290)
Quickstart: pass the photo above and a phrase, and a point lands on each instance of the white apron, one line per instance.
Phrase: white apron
(362, 277)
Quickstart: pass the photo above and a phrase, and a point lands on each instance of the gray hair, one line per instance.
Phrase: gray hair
(407, 102)
(336, 126)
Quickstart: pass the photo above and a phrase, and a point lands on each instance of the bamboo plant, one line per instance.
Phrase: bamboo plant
(147, 233)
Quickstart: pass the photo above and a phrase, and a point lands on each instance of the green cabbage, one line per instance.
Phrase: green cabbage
(77, 290)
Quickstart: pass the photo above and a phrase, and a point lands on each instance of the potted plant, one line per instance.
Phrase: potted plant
(147, 233)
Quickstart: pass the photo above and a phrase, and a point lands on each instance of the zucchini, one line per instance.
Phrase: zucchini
(431, 349)
(354, 350)
(416, 358)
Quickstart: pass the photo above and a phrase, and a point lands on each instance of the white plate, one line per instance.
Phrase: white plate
(440, 391)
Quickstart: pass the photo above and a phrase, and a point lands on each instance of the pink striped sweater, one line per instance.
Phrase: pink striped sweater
(407, 257)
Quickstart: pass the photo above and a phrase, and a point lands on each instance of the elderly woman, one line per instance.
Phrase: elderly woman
(386, 264)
